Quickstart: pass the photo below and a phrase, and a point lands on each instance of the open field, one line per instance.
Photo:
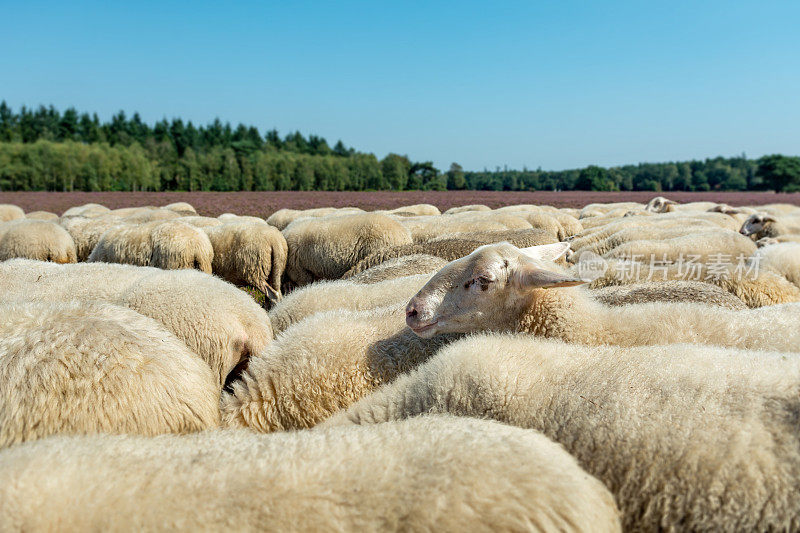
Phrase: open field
(264, 204)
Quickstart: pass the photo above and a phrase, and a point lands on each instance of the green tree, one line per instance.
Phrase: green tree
(455, 177)
(780, 172)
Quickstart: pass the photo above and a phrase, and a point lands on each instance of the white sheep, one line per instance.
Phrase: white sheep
(659, 204)
(415, 210)
(632, 233)
(426, 228)
(220, 323)
(467, 209)
(230, 217)
(605, 208)
(502, 288)
(343, 294)
(755, 286)
(87, 367)
(164, 244)
(182, 208)
(86, 210)
(10, 212)
(398, 267)
(36, 239)
(783, 258)
(327, 247)
(201, 222)
(42, 215)
(668, 291)
(283, 217)
(428, 474)
(249, 253)
(453, 246)
(321, 365)
(686, 437)
(703, 246)
(760, 225)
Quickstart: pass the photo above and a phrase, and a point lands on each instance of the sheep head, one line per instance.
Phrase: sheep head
(479, 291)
(755, 224)
(659, 204)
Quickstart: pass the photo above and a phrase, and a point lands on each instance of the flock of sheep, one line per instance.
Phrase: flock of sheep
(414, 370)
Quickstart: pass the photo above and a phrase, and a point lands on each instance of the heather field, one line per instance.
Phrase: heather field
(265, 203)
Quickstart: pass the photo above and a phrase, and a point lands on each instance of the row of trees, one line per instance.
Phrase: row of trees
(44, 149)
(73, 166)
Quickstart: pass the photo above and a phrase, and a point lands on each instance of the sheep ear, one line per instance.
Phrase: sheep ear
(670, 202)
(530, 277)
(546, 252)
(769, 218)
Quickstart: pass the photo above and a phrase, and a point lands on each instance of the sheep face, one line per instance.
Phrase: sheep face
(659, 204)
(755, 224)
(478, 291)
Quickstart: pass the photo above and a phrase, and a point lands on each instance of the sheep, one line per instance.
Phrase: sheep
(201, 222)
(593, 235)
(435, 473)
(427, 228)
(283, 217)
(86, 210)
(86, 231)
(630, 234)
(182, 208)
(766, 241)
(398, 267)
(36, 239)
(604, 208)
(150, 215)
(87, 367)
(760, 225)
(249, 253)
(230, 217)
(703, 245)
(543, 221)
(42, 215)
(778, 209)
(417, 210)
(756, 287)
(323, 364)
(343, 294)
(519, 207)
(728, 210)
(502, 288)
(571, 225)
(168, 245)
(659, 204)
(686, 437)
(129, 211)
(327, 247)
(450, 247)
(467, 209)
(218, 322)
(668, 291)
(10, 212)
(782, 258)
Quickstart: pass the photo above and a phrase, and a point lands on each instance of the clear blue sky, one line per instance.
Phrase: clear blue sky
(557, 84)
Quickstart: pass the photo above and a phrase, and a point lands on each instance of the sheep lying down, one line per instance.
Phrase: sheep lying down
(686, 437)
(426, 474)
(500, 287)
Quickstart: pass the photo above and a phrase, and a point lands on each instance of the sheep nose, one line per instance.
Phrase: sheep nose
(411, 311)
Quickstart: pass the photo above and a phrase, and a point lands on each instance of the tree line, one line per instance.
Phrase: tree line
(44, 149)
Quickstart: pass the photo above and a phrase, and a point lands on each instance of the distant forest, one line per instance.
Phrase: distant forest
(44, 149)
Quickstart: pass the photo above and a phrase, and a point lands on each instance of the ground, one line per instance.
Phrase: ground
(264, 204)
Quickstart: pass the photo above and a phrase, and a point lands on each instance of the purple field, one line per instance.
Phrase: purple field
(264, 204)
